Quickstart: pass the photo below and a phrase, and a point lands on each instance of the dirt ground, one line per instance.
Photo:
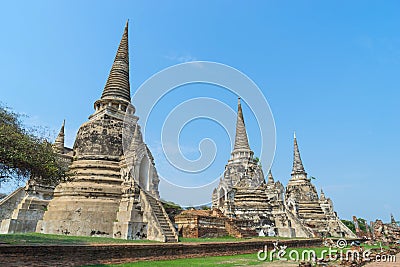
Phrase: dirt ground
(386, 264)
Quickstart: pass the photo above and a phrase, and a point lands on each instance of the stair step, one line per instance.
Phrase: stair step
(162, 218)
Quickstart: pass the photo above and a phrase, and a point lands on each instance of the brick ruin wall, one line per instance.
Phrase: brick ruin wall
(78, 255)
(202, 226)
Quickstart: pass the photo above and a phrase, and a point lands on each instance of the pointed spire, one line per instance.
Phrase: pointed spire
(117, 85)
(62, 128)
(270, 177)
(241, 141)
(322, 196)
(136, 134)
(58, 145)
(136, 139)
(298, 168)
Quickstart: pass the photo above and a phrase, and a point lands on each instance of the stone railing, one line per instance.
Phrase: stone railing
(299, 223)
(171, 226)
(10, 202)
(156, 229)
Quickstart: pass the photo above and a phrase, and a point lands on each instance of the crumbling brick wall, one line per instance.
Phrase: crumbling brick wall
(78, 255)
(201, 223)
(386, 232)
(211, 227)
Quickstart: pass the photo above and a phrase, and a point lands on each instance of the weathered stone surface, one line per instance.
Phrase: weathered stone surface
(241, 193)
(29, 209)
(108, 192)
(386, 233)
(87, 204)
(200, 224)
(115, 194)
(297, 211)
(316, 214)
(211, 223)
(10, 202)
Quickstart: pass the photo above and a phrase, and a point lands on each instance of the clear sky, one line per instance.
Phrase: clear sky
(330, 71)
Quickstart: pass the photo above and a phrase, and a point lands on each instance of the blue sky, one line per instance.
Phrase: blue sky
(329, 70)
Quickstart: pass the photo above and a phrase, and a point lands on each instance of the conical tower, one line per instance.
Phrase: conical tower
(95, 187)
(298, 171)
(243, 180)
(58, 145)
(302, 201)
(241, 147)
(270, 178)
(322, 195)
(116, 98)
(241, 141)
(117, 85)
(108, 194)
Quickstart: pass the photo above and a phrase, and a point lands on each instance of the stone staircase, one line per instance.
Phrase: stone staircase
(26, 215)
(346, 230)
(161, 216)
(310, 210)
(301, 229)
(18, 194)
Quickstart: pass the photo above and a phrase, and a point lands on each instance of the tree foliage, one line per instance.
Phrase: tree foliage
(352, 227)
(349, 225)
(24, 154)
(362, 224)
(170, 205)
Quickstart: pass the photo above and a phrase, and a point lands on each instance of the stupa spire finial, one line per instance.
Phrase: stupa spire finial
(241, 141)
(298, 168)
(117, 85)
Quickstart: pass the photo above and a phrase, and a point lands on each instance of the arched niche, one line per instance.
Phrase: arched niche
(144, 173)
(222, 196)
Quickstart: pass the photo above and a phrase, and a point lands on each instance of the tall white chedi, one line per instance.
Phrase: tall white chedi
(109, 192)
